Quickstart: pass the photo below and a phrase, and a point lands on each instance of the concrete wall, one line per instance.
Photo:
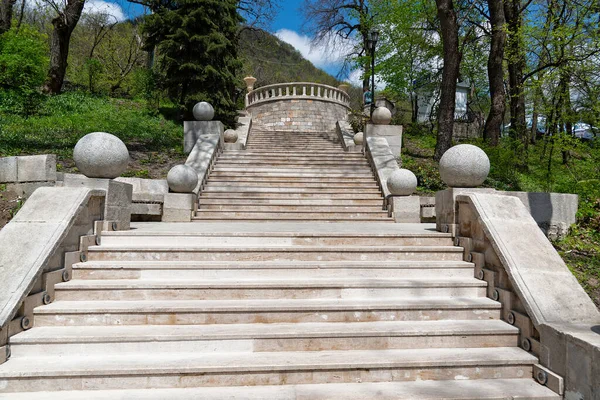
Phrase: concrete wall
(298, 115)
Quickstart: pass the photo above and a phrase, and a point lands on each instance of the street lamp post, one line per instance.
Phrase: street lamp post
(372, 43)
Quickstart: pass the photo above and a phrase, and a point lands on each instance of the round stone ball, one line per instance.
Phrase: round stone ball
(101, 155)
(203, 111)
(359, 138)
(402, 182)
(230, 136)
(182, 179)
(381, 116)
(464, 166)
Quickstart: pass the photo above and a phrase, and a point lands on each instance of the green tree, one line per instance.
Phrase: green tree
(23, 65)
(195, 42)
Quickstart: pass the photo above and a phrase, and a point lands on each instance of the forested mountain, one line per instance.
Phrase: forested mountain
(271, 60)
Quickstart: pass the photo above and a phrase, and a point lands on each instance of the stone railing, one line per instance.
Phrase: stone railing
(297, 90)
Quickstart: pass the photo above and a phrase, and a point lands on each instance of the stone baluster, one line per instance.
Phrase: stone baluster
(312, 90)
(303, 90)
(280, 92)
(294, 91)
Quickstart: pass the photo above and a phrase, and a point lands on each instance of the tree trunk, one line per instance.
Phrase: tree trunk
(495, 118)
(63, 23)
(6, 11)
(452, 58)
(516, 66)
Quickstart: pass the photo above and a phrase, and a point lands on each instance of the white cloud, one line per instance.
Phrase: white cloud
(322, 55)
(104, 7)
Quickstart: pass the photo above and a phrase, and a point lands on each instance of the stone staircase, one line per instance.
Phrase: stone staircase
(255, 305)
(291, 176)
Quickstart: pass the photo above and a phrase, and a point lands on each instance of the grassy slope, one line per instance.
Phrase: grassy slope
(581, 249)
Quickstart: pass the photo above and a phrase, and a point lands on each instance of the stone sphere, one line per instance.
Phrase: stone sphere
(402, 182)
(182, 179)
(203, 111)
(230, 136)
(101, 155)
(359, 138)
(464, 166)
(381, 116)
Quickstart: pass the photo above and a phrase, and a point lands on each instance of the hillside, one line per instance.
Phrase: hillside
(271, 60)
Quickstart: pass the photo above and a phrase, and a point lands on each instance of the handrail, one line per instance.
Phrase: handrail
(297, 90)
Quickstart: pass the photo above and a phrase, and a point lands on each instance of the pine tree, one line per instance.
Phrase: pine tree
(196, 46)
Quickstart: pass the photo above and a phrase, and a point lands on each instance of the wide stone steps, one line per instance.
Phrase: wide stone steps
(275, 253)
(480, 389)
(340, 197)
(286, 208)
(318, 336)
(220, 200)
(233, 215)
(165, 270)
(272, 239)
(292, 169)
(194, 312)
(240, 188)
(289, 174)
(31, 374)
(294, 163)
(289, 184)
(327, 288)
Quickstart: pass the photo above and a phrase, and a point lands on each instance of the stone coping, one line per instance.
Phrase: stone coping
(33, 237)
(549, 291)
(287, 91)
(382, 160)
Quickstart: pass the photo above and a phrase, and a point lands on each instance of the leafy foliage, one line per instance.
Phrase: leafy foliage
(197, 54)
(23, 66)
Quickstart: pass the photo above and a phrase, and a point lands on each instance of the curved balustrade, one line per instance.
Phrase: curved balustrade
(297, 90)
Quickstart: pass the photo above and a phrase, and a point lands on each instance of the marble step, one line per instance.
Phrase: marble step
(366, 215)
(90, 340)
(293, 180)
(240, 188)
(196, 312)
(179, 370)
(226, 155)
(235, 239)
(295, 152)
(271, 270)
(476, 389)
(341, 197)
(327, 288)
(361, 170)
(294, 163)
(287, 208)
(270, 173)
(205, 200)
(275, 253)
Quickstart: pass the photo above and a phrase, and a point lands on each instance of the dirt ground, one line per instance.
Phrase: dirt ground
(9, 203)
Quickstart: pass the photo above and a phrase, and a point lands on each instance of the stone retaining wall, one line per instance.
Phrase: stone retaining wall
(296, 115)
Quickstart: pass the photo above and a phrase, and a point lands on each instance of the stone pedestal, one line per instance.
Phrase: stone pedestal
(179, 207)
(119, 195)
(192, 130)
(392, 133)
(406, 209)
(445, 207)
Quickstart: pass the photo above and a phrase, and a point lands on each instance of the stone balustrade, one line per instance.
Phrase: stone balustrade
(297, 90)
(306, 107)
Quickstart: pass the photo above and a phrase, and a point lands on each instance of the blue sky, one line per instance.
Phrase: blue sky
(287, 26)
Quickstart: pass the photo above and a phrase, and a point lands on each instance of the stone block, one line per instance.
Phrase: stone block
(8, 169)
(118, 197)
(26, 189)
(40, 168)
(406, 209)
(176, 215)
(445, 206)
(392, 133)
(146, 209)
(193, 130)
(180, 201)
(151, 186)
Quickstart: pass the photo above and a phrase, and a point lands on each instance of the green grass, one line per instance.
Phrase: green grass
(581, 249)
(62, 120)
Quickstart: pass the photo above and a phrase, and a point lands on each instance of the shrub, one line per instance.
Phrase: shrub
(23, 67)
